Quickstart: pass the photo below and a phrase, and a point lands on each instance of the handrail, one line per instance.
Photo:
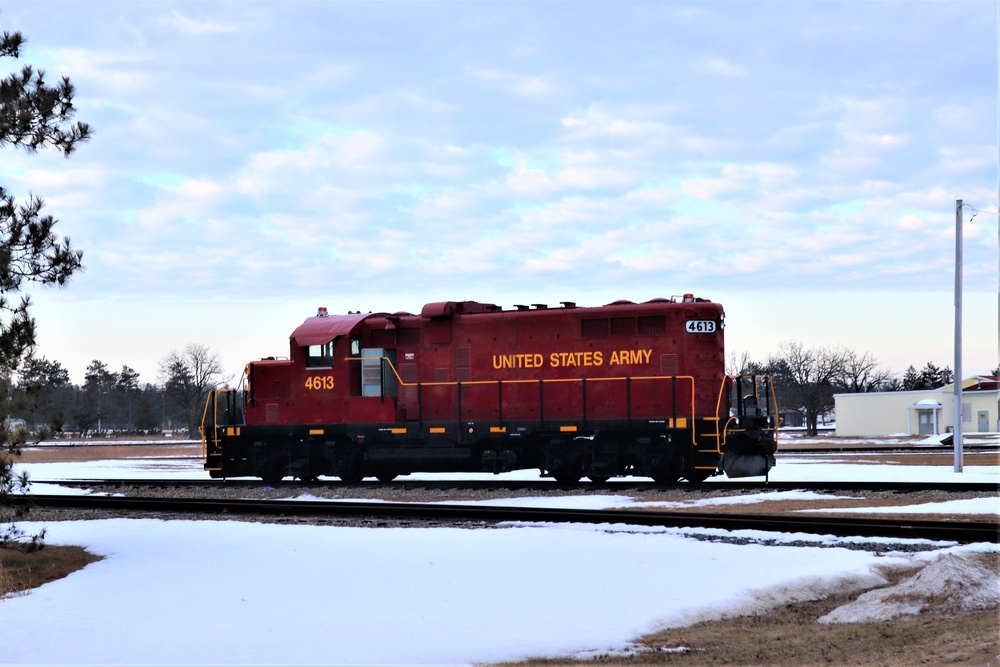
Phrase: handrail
(211, 403)
(723, 389)
(201, 426)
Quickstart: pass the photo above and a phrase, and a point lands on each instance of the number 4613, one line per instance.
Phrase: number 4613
(319, 382)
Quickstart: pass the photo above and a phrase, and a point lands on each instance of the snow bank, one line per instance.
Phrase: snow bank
(951, 583)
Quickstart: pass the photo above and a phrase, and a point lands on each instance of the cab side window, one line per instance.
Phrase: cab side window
(320, 356)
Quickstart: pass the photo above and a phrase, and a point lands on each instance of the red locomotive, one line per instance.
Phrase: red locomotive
(622, 389)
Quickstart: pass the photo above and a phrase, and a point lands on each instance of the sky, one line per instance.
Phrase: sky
(797, 162)
(351, 595)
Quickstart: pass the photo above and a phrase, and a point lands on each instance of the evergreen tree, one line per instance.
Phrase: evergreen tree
(911, 379)
(125, 391)
(932, 377)
(42, 385)
(97, 388)
(149, 407)
(33, 115)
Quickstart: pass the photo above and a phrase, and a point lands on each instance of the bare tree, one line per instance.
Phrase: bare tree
(740, 363)
(807, 378)
(187, 378)
(862, 373)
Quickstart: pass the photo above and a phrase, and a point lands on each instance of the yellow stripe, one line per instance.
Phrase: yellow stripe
(315, 431)
(398, 431)
(567, 429)
(498, 429)
(437, 429)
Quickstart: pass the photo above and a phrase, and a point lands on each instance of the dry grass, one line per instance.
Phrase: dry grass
(22, 571)
(67, 453)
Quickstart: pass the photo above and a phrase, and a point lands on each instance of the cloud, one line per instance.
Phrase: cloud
(526, 182)
(111, 72)
(190, 26)
(529, 86)
(311, 166)
(595, 121)
(737, 178)
(722, 67)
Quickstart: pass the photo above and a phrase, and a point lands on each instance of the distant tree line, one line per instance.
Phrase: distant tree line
(806, 379)
(40, 393)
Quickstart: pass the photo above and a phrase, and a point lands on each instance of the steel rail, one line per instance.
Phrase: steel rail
(853, 526)
(549, 485)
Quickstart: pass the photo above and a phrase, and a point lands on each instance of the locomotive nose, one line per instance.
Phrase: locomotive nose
(749, 454)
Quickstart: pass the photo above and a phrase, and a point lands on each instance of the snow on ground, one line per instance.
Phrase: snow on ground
(964, 506)
(197, 592)
(234, 592)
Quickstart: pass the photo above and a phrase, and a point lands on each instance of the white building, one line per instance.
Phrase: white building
(924, 412)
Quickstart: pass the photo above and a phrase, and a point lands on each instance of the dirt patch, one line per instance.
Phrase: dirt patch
(105, 452)
(901, 458)
(22, 571)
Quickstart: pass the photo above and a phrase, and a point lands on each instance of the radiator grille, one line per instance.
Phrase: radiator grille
(668, 364)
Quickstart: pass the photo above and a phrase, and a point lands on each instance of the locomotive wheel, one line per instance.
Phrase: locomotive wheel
(671, 471)
(348, 465)
(698, 476)
(274, 473)
(567, 477)
(598, 479)
(572, 473)
(385, 477)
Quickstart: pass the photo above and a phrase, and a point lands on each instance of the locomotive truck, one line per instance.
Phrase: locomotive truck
(622, 389)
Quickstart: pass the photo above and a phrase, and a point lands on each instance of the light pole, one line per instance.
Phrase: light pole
(957, 428)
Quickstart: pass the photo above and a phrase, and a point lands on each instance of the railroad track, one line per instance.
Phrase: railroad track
(951, 531)
(544, 485)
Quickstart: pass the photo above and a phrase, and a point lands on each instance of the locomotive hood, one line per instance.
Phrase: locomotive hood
(324, 328)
